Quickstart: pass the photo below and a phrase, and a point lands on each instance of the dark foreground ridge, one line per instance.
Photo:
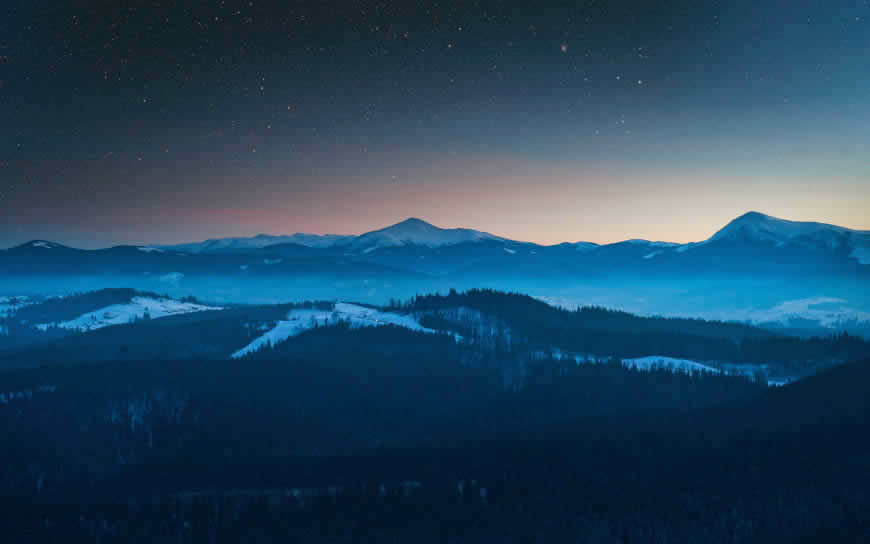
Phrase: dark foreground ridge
(385, 434)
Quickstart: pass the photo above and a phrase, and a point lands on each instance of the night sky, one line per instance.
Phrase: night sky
(156, 122)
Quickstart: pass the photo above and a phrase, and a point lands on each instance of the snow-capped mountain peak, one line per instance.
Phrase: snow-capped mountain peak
(35, 247)
(414, 231)
(43, 244)
(758, 228)
(764, 228)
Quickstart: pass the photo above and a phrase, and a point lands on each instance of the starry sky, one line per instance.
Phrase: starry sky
(597, 120)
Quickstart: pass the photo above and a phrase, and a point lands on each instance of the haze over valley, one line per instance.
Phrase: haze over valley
(808, 277)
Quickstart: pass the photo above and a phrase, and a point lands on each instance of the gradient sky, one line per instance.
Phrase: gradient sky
(141, 122)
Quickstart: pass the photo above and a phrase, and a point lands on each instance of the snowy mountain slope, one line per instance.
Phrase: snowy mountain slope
(410, 232)
(584, 247)
(299, 321)
(229, 245)
(650, 243)
(119, 314)
(417, 232)
(749, 245)
(39, 247)
(756, 228)
(43, 244)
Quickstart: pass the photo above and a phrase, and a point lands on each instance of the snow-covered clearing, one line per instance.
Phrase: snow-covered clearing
(299, 321)
(680, 365)
(119, 314)
(655, 361)
(640, 363)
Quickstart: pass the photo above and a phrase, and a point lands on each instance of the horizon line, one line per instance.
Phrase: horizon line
(413, 218)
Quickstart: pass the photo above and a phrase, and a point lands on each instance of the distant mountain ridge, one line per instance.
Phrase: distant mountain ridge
(224, 245)
(752, 228)
(752, 244)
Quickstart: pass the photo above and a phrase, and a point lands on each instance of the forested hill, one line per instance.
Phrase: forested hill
(526, 321)
(528, 312)
(513, 326)
(167, 462)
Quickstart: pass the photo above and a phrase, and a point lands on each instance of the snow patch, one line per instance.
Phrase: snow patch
(150, 249)
(43, 244)
(171, 277)
(299, 321)
(656, 361)
(119, 314)
(511, 251)
(653, 254)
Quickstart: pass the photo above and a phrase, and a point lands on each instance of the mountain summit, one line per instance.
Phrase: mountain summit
(755, 228)
(414, 231)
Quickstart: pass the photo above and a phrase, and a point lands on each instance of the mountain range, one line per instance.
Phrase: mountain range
(751, 228)
(752, 243)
